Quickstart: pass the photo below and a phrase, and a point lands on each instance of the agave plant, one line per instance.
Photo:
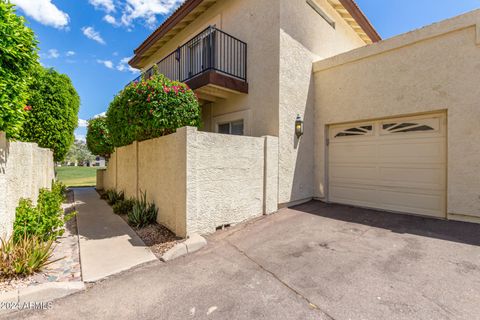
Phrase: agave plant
(143, 213)
(24, 256)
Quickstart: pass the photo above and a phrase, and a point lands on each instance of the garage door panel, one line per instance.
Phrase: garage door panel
(412, 151)
(391, 200)
(398, 165)
(427, 178)
(353, 172)
(347, 152)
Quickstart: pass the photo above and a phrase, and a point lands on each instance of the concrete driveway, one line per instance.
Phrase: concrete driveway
(314, 261)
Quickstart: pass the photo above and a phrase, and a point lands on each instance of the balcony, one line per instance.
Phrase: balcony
(213, 64)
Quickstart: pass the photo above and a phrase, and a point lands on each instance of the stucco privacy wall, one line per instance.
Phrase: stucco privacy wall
(305, 37)
(198, 180)
(24, 169)
(431, 69)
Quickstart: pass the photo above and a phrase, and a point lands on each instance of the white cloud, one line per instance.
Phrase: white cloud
(131, 10)
(44, 11)
(82, 123)
(103, 114)
(124, 66)
(91, 33)
(106, 63)
(80, 137)
(110, 19)
(106, 5)
(53, 54)
(147, 10)
(70, 53)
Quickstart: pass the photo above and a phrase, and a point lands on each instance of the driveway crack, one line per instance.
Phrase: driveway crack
(286, 285)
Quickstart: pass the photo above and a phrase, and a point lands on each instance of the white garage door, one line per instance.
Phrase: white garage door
(393, 164)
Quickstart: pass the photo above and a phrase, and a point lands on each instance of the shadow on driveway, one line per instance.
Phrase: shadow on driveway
(462, 232)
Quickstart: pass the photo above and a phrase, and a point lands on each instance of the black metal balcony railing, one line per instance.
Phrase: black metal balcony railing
(211, 49)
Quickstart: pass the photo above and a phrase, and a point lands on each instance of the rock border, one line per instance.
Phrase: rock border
(193, 243)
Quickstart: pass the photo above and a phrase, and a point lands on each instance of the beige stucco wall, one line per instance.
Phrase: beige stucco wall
(198, 180)
(434, 68)
(161, 174)
(126, 170)
(305, 37)
(24, 170)
(225, 176)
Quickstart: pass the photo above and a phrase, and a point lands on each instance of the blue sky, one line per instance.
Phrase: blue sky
(91, 40)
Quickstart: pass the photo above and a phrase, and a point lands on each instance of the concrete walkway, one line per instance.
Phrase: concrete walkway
(107, 244)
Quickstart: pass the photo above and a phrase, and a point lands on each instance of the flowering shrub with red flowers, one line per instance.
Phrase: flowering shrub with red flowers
(98, 137)
(151, 108)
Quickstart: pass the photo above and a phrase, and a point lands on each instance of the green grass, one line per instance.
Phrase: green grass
(77, 176)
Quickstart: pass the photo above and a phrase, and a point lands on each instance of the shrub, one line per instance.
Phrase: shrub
(151, 108)
(143, 213)
(44, 221)
(98, 138)
(123, 206)
(24, 256)
(52, 115)
(18, 55)
(113, 196)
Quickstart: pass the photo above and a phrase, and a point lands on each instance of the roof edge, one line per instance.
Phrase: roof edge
(352, 7)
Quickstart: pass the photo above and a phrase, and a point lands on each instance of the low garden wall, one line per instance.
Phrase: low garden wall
(198, 180)
(24, 169)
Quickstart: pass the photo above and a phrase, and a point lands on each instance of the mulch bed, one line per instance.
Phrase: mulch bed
(157, 237)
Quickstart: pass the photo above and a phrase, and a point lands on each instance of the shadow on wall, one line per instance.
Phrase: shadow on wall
(303, 175)
(4, 150)
(461, 232)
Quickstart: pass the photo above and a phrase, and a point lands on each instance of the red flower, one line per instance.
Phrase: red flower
(27, 108)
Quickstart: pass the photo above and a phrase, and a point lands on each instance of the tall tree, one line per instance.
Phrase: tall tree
(52, 112)
(18, 56)
(79, 152)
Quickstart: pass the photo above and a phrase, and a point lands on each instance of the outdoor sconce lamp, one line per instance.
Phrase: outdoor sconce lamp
(299, 126)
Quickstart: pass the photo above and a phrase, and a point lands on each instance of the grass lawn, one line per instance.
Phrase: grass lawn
(77, 176)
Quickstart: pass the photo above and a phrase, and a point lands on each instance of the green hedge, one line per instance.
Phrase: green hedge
(98, 137)
(53, 112)
(45, 220)
(18, 55)
(151, 108)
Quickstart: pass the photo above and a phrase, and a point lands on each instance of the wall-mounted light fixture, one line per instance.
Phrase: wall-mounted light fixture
(298, 126)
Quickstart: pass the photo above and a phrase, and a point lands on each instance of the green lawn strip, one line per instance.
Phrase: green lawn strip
(77, 176)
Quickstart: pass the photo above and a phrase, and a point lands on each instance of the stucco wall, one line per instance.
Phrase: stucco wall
(434, 68)
(227, 172)
(161, 173)
(305, 37)
(200, 181)
(24, 169)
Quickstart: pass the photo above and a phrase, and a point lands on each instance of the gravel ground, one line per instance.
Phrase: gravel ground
(158, 238)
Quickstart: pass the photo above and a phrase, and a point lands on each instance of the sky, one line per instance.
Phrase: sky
(92, 40)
